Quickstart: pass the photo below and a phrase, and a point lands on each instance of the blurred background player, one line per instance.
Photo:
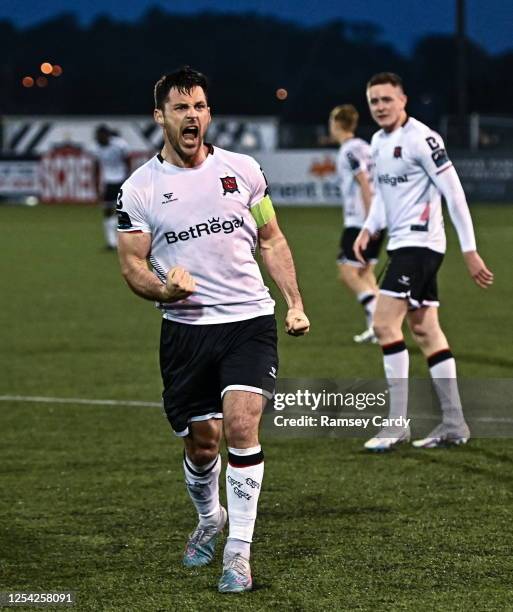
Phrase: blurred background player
(354, 171)
(411, 173)
(111, 152)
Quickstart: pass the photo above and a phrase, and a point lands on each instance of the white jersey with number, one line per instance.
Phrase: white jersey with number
(354, 156)
(411, 173)
(111, 158)
(200, 219)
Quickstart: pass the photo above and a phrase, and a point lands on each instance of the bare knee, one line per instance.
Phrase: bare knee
(242, 413)
(385, 331)
(347, 273)
(429, 339)
(202, 443)
(426, 335)
(201, 455)
(366, 273)
(242, 432)
(419, 332)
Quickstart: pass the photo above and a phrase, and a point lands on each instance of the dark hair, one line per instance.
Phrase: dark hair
(103, 129)
(184, 79)
(382, 78)
(346, 115)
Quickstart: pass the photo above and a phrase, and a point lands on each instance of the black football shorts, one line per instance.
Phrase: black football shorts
(200, 363)
(411, 274)
(109, 198)
(110, 194)
(346, 254)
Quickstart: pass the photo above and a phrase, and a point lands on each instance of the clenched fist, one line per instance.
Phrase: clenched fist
(296, 322)
(179, 284)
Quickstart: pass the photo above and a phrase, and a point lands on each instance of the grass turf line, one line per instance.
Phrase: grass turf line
(93, 498)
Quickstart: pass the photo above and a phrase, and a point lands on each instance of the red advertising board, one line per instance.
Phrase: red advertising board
(67, 174)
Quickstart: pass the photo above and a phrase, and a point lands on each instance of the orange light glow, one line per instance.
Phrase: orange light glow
(57, 70)
(27, 81)
(46, 68)
(41, 81)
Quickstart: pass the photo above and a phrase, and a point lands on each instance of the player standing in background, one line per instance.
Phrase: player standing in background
(354, 171)
(411, 173)
(197, 213)
(111, 151)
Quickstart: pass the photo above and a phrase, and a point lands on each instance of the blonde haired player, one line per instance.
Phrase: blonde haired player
(354, 170)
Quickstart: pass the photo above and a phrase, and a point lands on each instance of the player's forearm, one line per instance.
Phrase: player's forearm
(278, 261)
(142, 281)
(449, 184)
(462, 221)
(375, 220)
(366, 198)
(366, 192)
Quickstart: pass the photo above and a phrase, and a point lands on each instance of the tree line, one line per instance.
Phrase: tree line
(110, 66)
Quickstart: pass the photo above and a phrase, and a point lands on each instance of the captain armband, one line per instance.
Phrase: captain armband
(263, 211)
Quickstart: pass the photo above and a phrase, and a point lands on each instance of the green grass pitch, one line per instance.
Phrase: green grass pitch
(93, 498)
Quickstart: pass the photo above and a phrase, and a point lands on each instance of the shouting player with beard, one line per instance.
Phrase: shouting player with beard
(197, 213)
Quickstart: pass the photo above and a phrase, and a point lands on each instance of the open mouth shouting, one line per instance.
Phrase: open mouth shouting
(190, 135)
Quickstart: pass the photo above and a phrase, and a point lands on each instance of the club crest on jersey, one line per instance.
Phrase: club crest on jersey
(398, 152)
(229, 184)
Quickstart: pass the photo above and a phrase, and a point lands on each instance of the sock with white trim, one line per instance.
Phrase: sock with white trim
(442, 368)
(368, 300)
(244, 475)
(396, 362)
(202, 482)
(110, 225)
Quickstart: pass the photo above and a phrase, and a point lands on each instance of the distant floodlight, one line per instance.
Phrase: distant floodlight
(41, 81)
(57, 70)
(27, 81)
(46, 68)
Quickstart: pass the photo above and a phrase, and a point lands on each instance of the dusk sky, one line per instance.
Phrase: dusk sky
(489, 22)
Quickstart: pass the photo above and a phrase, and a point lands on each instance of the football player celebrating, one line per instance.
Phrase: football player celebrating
(411, 173)
(196, 213)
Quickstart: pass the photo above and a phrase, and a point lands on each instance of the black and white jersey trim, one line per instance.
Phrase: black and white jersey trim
(159, 271)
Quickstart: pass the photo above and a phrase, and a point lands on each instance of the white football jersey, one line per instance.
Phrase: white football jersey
(411, 173)
(200, 218)
(111, 158)
(354, 156)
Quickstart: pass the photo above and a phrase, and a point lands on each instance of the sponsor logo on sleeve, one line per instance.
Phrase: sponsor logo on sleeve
(440, 157)
(433, 143)
(124, 221)
(354, 163)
